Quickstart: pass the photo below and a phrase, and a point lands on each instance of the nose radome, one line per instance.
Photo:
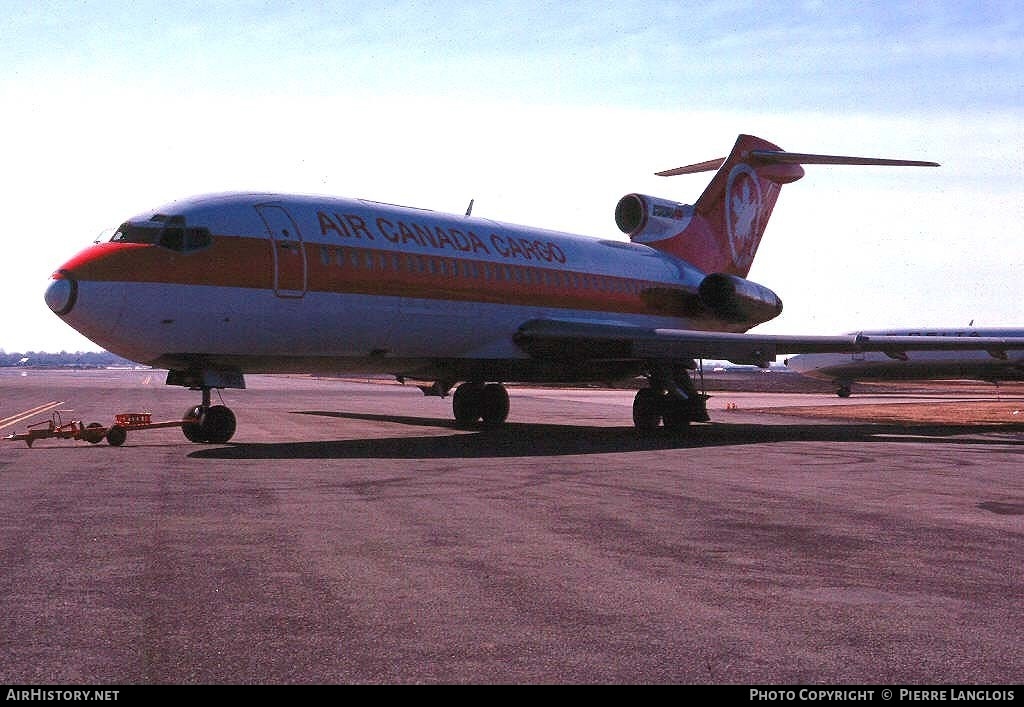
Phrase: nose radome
(61, 293)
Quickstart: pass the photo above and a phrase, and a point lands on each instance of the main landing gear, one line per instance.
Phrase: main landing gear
(208, 423)
(475, 403)
(654, 407)
(672, 400)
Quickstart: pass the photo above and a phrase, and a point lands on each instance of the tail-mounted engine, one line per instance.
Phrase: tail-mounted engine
(734, 299)
(647, 218)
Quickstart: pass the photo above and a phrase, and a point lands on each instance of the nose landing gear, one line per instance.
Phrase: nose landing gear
(208, 423)
(205, 422)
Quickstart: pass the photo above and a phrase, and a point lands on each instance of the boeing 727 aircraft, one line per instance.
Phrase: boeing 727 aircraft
(216, 286)
(980, 364)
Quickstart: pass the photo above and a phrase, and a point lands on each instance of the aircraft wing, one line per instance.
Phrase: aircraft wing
(563, 339)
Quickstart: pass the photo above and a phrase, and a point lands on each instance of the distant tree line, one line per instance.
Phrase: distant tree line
(64, 359)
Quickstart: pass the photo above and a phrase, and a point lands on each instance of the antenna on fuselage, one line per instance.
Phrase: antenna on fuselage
(469, 209)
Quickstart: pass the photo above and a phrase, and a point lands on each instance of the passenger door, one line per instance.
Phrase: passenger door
(290, 267)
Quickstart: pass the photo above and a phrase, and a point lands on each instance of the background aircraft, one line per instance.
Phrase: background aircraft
(216, 286)
(986, 365)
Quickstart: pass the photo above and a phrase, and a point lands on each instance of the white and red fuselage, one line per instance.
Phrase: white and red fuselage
(273, 283)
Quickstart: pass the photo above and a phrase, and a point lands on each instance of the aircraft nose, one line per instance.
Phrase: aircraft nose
(61, 293)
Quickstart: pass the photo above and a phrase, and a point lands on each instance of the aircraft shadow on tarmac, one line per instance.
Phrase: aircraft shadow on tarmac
(552, 440)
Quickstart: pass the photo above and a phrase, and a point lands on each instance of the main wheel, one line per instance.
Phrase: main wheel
(844, 391)
(467, 404)
(646, 410)
(678, 415)
(494, 404)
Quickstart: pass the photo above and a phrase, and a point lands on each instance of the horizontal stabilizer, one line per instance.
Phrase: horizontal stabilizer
(783, 157)
(806, 158)
(709, 166)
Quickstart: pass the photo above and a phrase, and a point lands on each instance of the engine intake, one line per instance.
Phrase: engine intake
(734, 299)
(647, 218)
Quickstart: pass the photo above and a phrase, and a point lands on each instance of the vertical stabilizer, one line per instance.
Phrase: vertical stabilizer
(720, 233)
(730, 216)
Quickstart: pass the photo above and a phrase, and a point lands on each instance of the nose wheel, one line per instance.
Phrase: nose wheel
(208, 423)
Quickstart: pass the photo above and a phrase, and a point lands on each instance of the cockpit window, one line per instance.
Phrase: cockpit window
(167, 231)
(107, 234)
(129, 233)
(177, 236)
(184, 239)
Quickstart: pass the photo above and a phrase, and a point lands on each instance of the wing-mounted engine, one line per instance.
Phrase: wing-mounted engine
(646, 219)
(734, 299)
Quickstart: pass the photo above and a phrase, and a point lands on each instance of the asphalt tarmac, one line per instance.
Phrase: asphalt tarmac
(349, 533)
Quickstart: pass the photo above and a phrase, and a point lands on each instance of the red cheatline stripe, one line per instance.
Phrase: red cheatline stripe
(250, 263)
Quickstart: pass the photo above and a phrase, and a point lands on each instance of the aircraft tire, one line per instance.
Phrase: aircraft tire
(467, 404)
(494, 404)
(678, 416)
(646, 410)
(218, 424)
(193, 431)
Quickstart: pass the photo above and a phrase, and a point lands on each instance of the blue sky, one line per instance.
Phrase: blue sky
(545, 113)
(891, 56)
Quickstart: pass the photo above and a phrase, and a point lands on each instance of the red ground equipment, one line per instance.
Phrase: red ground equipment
(94, 432)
